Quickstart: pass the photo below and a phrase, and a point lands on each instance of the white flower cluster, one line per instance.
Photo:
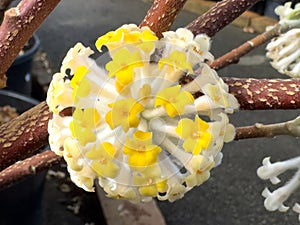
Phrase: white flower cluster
(132, 126)
(288, 15)
(284, 51)
(270, 171)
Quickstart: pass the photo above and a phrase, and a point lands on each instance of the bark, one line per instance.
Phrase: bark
(219, 16)
(162, 14)
(18, 26)
(29, 167)
(261, 131)
(24, 135)
(261, 94)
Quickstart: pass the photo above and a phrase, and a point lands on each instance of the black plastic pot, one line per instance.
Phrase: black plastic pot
(20, 204)
(19, 74)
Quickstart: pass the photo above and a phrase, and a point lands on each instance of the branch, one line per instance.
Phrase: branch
(28, 132)
(219, 16)
(18, 26)
(23, 135)
(162, 14)
(29, 167)
(261, 94)
(235, 55)
(272, 130)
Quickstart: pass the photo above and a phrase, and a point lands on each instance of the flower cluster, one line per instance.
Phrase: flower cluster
(284, 51)
(270, 171)
(288, 15)
(132, 125)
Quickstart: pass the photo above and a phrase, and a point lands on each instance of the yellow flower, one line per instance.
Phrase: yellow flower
(195, 134)
(122, 66)
(124, 112)
(84, 121)
(200, 166)
(71, 154)
(173, 100)
(123, 35)
(150, 186)
(145, 93)
(176, 60)
(76, 81)
(141, 152)
(217, 94)
(149, 180)
(102, 160)
(60, 95)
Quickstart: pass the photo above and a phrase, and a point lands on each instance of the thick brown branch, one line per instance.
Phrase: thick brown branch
(254, 94)
(23, 135)
(219, 16)
(18, 26)
(235, 55)
(162, 14)
(29, 167)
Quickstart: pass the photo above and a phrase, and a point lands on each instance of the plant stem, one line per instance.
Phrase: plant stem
(235, 55)
(271, 130)
(18, 26)
(162, 14)
(28, 167)
(219, 16)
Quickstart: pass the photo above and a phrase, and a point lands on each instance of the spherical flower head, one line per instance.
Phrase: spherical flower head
(130, 124)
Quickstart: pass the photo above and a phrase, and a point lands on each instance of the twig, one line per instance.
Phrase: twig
(18, 26)
(29, 167)
(259, 130)
(23, 135)
(222, 14)
(235, 55)
(162, 14)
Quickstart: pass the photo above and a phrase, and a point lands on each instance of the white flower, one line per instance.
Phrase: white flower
(288, 15)
(184, 39)
(275, 200)
(132, 126)
(284, 52)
